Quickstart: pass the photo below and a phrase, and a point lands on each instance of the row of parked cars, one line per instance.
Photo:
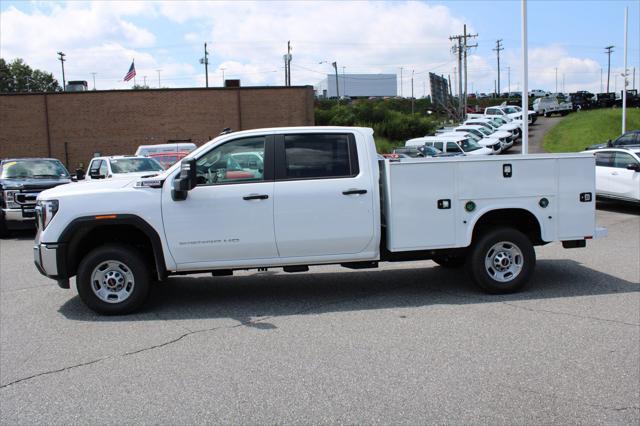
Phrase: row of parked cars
(491, 133)
(22, 179)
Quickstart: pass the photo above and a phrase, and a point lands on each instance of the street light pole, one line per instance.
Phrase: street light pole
(335, 67)
(525, 82)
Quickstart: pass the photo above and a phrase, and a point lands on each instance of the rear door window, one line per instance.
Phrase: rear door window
(317, 156)
(604, 159)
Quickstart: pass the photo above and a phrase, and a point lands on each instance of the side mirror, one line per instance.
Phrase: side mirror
(609, 143)
(634, 166)
(186, 181)
(79, 174)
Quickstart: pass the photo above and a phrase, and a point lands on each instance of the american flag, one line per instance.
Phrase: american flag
(131, 73)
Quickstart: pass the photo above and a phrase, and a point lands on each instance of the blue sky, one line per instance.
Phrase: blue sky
(248, 39)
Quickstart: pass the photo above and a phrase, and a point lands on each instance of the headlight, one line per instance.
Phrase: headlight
(10, 199)
(45, 211)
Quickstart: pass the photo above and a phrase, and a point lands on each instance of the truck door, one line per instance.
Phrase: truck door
(228, 218)
(323, 195)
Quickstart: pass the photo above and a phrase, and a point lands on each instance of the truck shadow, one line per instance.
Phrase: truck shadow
(255, 299)
(618, 207)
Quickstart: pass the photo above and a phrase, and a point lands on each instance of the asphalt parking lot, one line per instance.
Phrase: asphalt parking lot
(408, 343)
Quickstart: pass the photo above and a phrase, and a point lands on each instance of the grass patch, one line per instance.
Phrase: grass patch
(581, 129)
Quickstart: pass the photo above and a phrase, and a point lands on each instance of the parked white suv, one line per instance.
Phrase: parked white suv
(451, 142)
(618, 173)
(122, 166)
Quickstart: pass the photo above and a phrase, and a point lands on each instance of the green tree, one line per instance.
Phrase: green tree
(17, 76)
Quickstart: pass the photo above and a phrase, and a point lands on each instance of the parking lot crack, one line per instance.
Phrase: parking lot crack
(46, 373)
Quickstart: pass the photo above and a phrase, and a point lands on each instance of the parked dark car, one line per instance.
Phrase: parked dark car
(21, 180)
(628, 140)
(605, 100)
(582, 100)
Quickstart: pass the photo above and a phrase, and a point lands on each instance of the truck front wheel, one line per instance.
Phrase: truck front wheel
(501, 261)
(113, 279)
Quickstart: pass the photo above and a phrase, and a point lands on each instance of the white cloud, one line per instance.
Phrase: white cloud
(249, 39)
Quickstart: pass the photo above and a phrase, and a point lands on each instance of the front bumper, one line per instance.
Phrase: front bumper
(25, 214)
(48, 261)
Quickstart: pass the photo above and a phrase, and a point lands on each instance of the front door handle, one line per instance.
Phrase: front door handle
(255, 197)
(354, 191)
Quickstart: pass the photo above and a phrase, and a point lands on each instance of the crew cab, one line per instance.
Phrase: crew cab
(513, 112)
(322, 196)
(552, 105)
(21, 180)
(483, 137)
(460, 143)
(119, 166)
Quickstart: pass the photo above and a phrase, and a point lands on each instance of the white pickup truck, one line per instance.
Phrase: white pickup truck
(322, 195)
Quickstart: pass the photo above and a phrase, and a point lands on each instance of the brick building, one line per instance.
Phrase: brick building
(74, 126)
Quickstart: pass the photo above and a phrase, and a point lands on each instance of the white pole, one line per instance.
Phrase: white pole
(624, 84)
(525, 83)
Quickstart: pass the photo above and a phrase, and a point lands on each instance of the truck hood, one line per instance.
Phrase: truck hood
(500, 134)
(32, 183)
(86, 187)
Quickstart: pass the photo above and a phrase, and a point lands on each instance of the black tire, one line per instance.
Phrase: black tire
(484, 252)
(450, 261)
(128, 261)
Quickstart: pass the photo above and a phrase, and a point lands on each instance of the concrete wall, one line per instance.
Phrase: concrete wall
(116, 122)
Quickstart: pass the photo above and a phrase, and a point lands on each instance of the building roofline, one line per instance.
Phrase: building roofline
(168, 89)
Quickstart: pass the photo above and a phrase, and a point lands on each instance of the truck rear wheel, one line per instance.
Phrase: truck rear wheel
(113, 280)
(501, 261)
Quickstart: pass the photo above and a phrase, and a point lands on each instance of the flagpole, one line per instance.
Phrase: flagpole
(133, 61)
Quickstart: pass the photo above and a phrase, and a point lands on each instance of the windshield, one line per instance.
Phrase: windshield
(485, 131)
(473, 136)
(510, 110)
(499, 121)
(38, 169)
(468, 145)
(132, 165)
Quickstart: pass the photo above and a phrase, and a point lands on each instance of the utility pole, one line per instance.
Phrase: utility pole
(509, 81)
(461, 49)
(289, 63)
(401, 83)
(158, 70)
(222, 69)
(335, 67)
(62, 59)
(205, 61)
(94, 79)
(412, 102)
(609, 49)
(344, 81)
(144, 79)
(465, 49)
(286, 70)
(497, 50)
(556, 68)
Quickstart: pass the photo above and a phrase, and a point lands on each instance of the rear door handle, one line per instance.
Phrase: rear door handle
(255, 197)
(354, 191)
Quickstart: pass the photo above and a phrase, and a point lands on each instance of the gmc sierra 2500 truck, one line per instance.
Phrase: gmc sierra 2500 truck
(317, 195)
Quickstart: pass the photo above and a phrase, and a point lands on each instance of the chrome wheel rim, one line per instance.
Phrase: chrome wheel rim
(504, 261)
(112, 281)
